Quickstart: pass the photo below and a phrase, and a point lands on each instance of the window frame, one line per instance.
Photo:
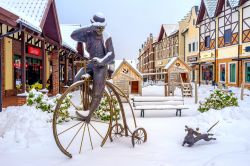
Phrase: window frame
(227, 37)
(245, 72)
(229, 73)
(220, 72)
(207, 45)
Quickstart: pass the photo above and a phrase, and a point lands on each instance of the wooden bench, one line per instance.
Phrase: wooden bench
(158, 103)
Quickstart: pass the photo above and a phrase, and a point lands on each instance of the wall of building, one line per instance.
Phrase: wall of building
(122, 80)
(8, 61)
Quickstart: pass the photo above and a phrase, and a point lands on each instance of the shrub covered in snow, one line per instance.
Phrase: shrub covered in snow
(46, 104)
(102, 111)
(218, 100)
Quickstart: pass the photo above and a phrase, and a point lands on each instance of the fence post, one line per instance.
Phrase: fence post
(242, 91)
(196, 92)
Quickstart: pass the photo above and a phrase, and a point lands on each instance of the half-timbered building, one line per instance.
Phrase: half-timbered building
(31, 46)
(207, 40)
(162, 48)
(244, 57)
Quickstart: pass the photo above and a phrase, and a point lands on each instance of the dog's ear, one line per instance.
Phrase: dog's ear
(186, 126)
(197, 129)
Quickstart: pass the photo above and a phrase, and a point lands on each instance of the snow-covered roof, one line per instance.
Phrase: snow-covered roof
(132, 63)
(211, 7)
(171, 61)
(66, 30)
(234, 3)
(170, 28)
(30, 12)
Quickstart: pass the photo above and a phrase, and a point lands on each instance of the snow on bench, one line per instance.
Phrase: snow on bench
(158, 103)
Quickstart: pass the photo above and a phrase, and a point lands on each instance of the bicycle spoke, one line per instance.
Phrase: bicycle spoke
(96, 131)
(68, 128)
(74, 136)
(82, 138)
(90, 137)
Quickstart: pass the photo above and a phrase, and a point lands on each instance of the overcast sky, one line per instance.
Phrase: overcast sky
(128, 21)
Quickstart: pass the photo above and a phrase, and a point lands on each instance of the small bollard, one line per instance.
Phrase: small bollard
(196, 92)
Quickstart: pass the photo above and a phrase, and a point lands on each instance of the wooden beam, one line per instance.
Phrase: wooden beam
(37, 42)
(44, 80)
(29, 39)
(23, 61)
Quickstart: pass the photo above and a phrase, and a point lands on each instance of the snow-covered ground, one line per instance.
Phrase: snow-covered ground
(26, 138)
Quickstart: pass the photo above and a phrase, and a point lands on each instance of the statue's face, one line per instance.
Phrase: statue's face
(99, 30)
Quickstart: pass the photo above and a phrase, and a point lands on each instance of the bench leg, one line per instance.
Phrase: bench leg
(142, 113)
(178, 111)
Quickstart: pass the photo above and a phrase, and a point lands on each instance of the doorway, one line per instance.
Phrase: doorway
(134, 86)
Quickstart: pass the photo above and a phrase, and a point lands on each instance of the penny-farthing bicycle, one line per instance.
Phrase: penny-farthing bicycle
(75, 135)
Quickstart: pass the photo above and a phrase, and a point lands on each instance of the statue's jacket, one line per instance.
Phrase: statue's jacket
(97, 46)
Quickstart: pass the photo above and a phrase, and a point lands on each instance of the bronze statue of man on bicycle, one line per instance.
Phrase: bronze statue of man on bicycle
(99, 46)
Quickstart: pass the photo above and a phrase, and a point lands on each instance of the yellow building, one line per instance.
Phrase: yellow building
(188, 41)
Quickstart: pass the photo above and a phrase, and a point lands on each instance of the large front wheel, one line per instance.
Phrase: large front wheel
(72, 134)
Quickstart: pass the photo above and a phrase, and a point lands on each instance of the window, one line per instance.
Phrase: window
(189, 48)
(193, 21)
(247, 72)
(232, 70)
(222, 72)
(193, 46)
(207, 72)
(227, 36)
(207, 41)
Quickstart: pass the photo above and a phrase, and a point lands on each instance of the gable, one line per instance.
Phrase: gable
(126, 68)
(51, 26)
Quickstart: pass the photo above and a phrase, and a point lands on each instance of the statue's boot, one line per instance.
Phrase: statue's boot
(87, 114)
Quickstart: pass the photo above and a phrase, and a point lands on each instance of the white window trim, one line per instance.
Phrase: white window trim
(229, 69)
(244, 73)
(225, 72)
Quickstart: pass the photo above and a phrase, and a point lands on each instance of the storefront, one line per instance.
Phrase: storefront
(247, 72)
(192, 61)
(207, 75)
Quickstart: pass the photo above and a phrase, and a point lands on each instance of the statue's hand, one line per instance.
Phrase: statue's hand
(96, 61)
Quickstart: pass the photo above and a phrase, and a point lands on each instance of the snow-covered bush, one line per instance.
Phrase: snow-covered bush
(217, 100)
(102, 111)
(46, 104)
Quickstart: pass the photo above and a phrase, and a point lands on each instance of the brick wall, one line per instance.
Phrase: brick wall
(55, 72)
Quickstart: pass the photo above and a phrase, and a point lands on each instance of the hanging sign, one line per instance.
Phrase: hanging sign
(33, 50)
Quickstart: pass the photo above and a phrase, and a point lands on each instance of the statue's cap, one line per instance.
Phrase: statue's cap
(98, 19)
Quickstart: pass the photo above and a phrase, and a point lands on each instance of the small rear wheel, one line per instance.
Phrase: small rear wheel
(139, 136)
(116, 131)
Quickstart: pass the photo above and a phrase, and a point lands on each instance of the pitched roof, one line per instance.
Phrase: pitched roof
(168, 29)
(211, 7)
(30, 12)
(66, 30)
(172, 61)
(130, 63)
(208, 6)
(234, 3)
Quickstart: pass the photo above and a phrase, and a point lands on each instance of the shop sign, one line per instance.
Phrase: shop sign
(192, 59)
(34, 51)
(206, 56)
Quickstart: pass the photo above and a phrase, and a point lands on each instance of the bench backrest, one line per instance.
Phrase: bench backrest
(149, 99)
(139, 101)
